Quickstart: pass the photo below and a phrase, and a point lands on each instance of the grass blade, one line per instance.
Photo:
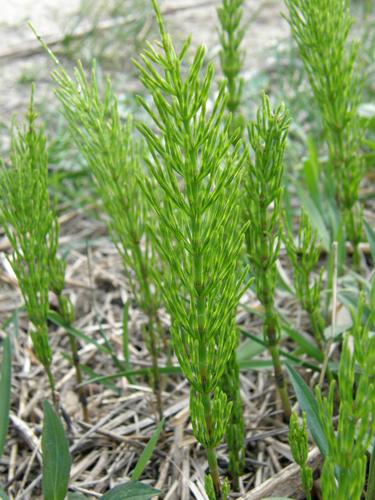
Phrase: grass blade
(147, 452)
(56, 456)
(5, 393)
(133, 490)
(370, 495)
(308, 404)
(125, 337)
(58, 321)
(370, 233)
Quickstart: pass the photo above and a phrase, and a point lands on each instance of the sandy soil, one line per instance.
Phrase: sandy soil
(51, 17)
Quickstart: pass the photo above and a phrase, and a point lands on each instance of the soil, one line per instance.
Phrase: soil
(20, 63)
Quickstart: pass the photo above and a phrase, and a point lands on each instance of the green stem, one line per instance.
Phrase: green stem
(267, 299)
(200, 305)
(77, 366)
(150, 309)
(52, 385)
(280, 380)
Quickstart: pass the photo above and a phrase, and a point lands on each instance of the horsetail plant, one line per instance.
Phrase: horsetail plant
(33, 230)
(115, 160)
(231, 55)
(304, 255)
(262, 208)
(197, 236)
(344, 469)
(56, 268)
(31, 227)
(231, 58)
(321, 30)
(299, 445)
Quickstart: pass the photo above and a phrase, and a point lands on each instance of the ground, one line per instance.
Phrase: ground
(122, 416)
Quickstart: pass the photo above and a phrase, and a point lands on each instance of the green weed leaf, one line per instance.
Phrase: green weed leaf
(309, 405)
(56, 456)
(371, 238)
(147, 452)
(133, 490)
(5, 385)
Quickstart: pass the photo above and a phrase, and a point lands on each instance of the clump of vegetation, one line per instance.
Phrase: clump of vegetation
(321, 30)
(198, 207)
(262, 207)
(115, 158)
(202, 218)
(32, 229)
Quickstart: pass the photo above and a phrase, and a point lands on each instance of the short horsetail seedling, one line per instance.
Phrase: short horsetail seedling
(31, 227)
(115, 160)
(33, 230)
(231, 55)
(299, 444)
(262, 208)
(344, 469)
(321, 29)
(304, 255)
(198, 234)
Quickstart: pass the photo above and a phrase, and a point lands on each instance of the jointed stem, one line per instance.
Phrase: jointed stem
(77, 366)
(270, 321)
(201, 319)
(150, 309)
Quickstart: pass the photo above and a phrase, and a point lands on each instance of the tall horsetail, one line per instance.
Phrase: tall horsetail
(115, 160)
(231, 34)
(198, 207)
(321, 30)
(262, 207)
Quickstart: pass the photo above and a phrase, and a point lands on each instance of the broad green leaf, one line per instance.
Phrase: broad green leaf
(283, 354)
(306, 344)
(316, 217)
(147, 452)
(133, 490)
(56, 456)
(5, 391)
(77, 496)
(311, 170)
(309, 405)
(371, 238)
(248, 350)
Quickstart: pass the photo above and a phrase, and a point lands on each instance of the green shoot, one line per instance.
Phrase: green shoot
(321, 29)
(31, 227)
(344, 470)
(5, 391)
(299, 444)
(262, 208)
(231, 55)
(33, 230)
(115, 160)
(198, 208)
(231, 58)
(304, 255)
